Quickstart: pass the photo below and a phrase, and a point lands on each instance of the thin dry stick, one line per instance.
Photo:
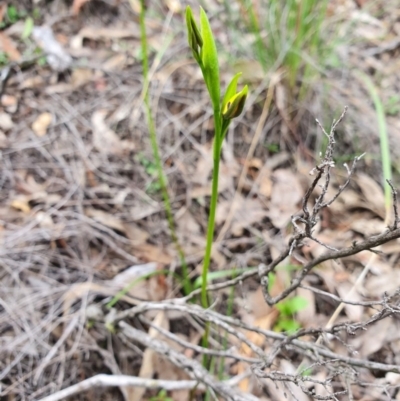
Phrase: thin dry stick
(358, 282)
(103, 380)
(191, 366)
(250, 153)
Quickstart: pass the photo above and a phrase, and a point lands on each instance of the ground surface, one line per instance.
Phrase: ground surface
(81, 213)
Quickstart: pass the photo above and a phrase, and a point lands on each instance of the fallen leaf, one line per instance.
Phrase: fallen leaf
(166, 370)
(135, 234)
(8, 47)
(41, 124)
(96, 33)
(21, 203)
(32, 82)
(57, 57)
(368, 226)
(174, 6)
(62, 87)
(286, 195)
(6, 123)
(204, 165)
(252, 70)
(135, 4)
(246, 212)
(105, 139)
(257, 305)
(373, 193)
(187, 224)
(106, 219)
(306, 316)
(148, 367)
(81, 76)
(115, 63)
(152, 289)
(152, 253)
(133, 273)
(378, 336)
(3, 140)
(377, 285)
(77, 5)
(10, 103)
(353, 312)
(265, 322)
(44, 220)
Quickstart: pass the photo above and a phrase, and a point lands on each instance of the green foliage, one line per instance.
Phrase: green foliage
(36, 13)
(288, 36)
(28, 28)
(209, 59)
(151, 169)
(273, 147)
(149, 166)
(3, 59)
(158, 166)
(383, 137)
(392, 106)
(12, 14)
(161, 396)
(288, 308)
(194, 36)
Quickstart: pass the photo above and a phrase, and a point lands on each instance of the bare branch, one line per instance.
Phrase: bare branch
(368, 244)
(395, 209)
(103, 380)
(191, 366)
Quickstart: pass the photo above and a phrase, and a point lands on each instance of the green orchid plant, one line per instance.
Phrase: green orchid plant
(202, 44)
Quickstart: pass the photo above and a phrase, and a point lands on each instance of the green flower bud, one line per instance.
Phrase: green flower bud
(234, 106)
(194, 35)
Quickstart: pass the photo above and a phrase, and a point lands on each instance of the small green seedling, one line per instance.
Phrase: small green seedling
(151, 170)
(392, 106)
(273, 147)
(161, 396)
(3, 59)
(151, 124)
(288, 308)
(28, 28)
(12, 14)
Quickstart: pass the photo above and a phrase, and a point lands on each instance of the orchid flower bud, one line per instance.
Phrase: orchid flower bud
(194, 35)
(235, 105)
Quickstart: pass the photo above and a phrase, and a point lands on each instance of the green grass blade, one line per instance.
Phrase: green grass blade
(156, 154)
(383, 136)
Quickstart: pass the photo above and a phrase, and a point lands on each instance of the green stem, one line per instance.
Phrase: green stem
(213, 208)
(218, 138)
(187, 287)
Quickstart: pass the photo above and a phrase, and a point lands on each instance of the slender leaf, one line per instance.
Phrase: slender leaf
(217, 275)
(383, 135)
(28, 28)
(209, 57)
